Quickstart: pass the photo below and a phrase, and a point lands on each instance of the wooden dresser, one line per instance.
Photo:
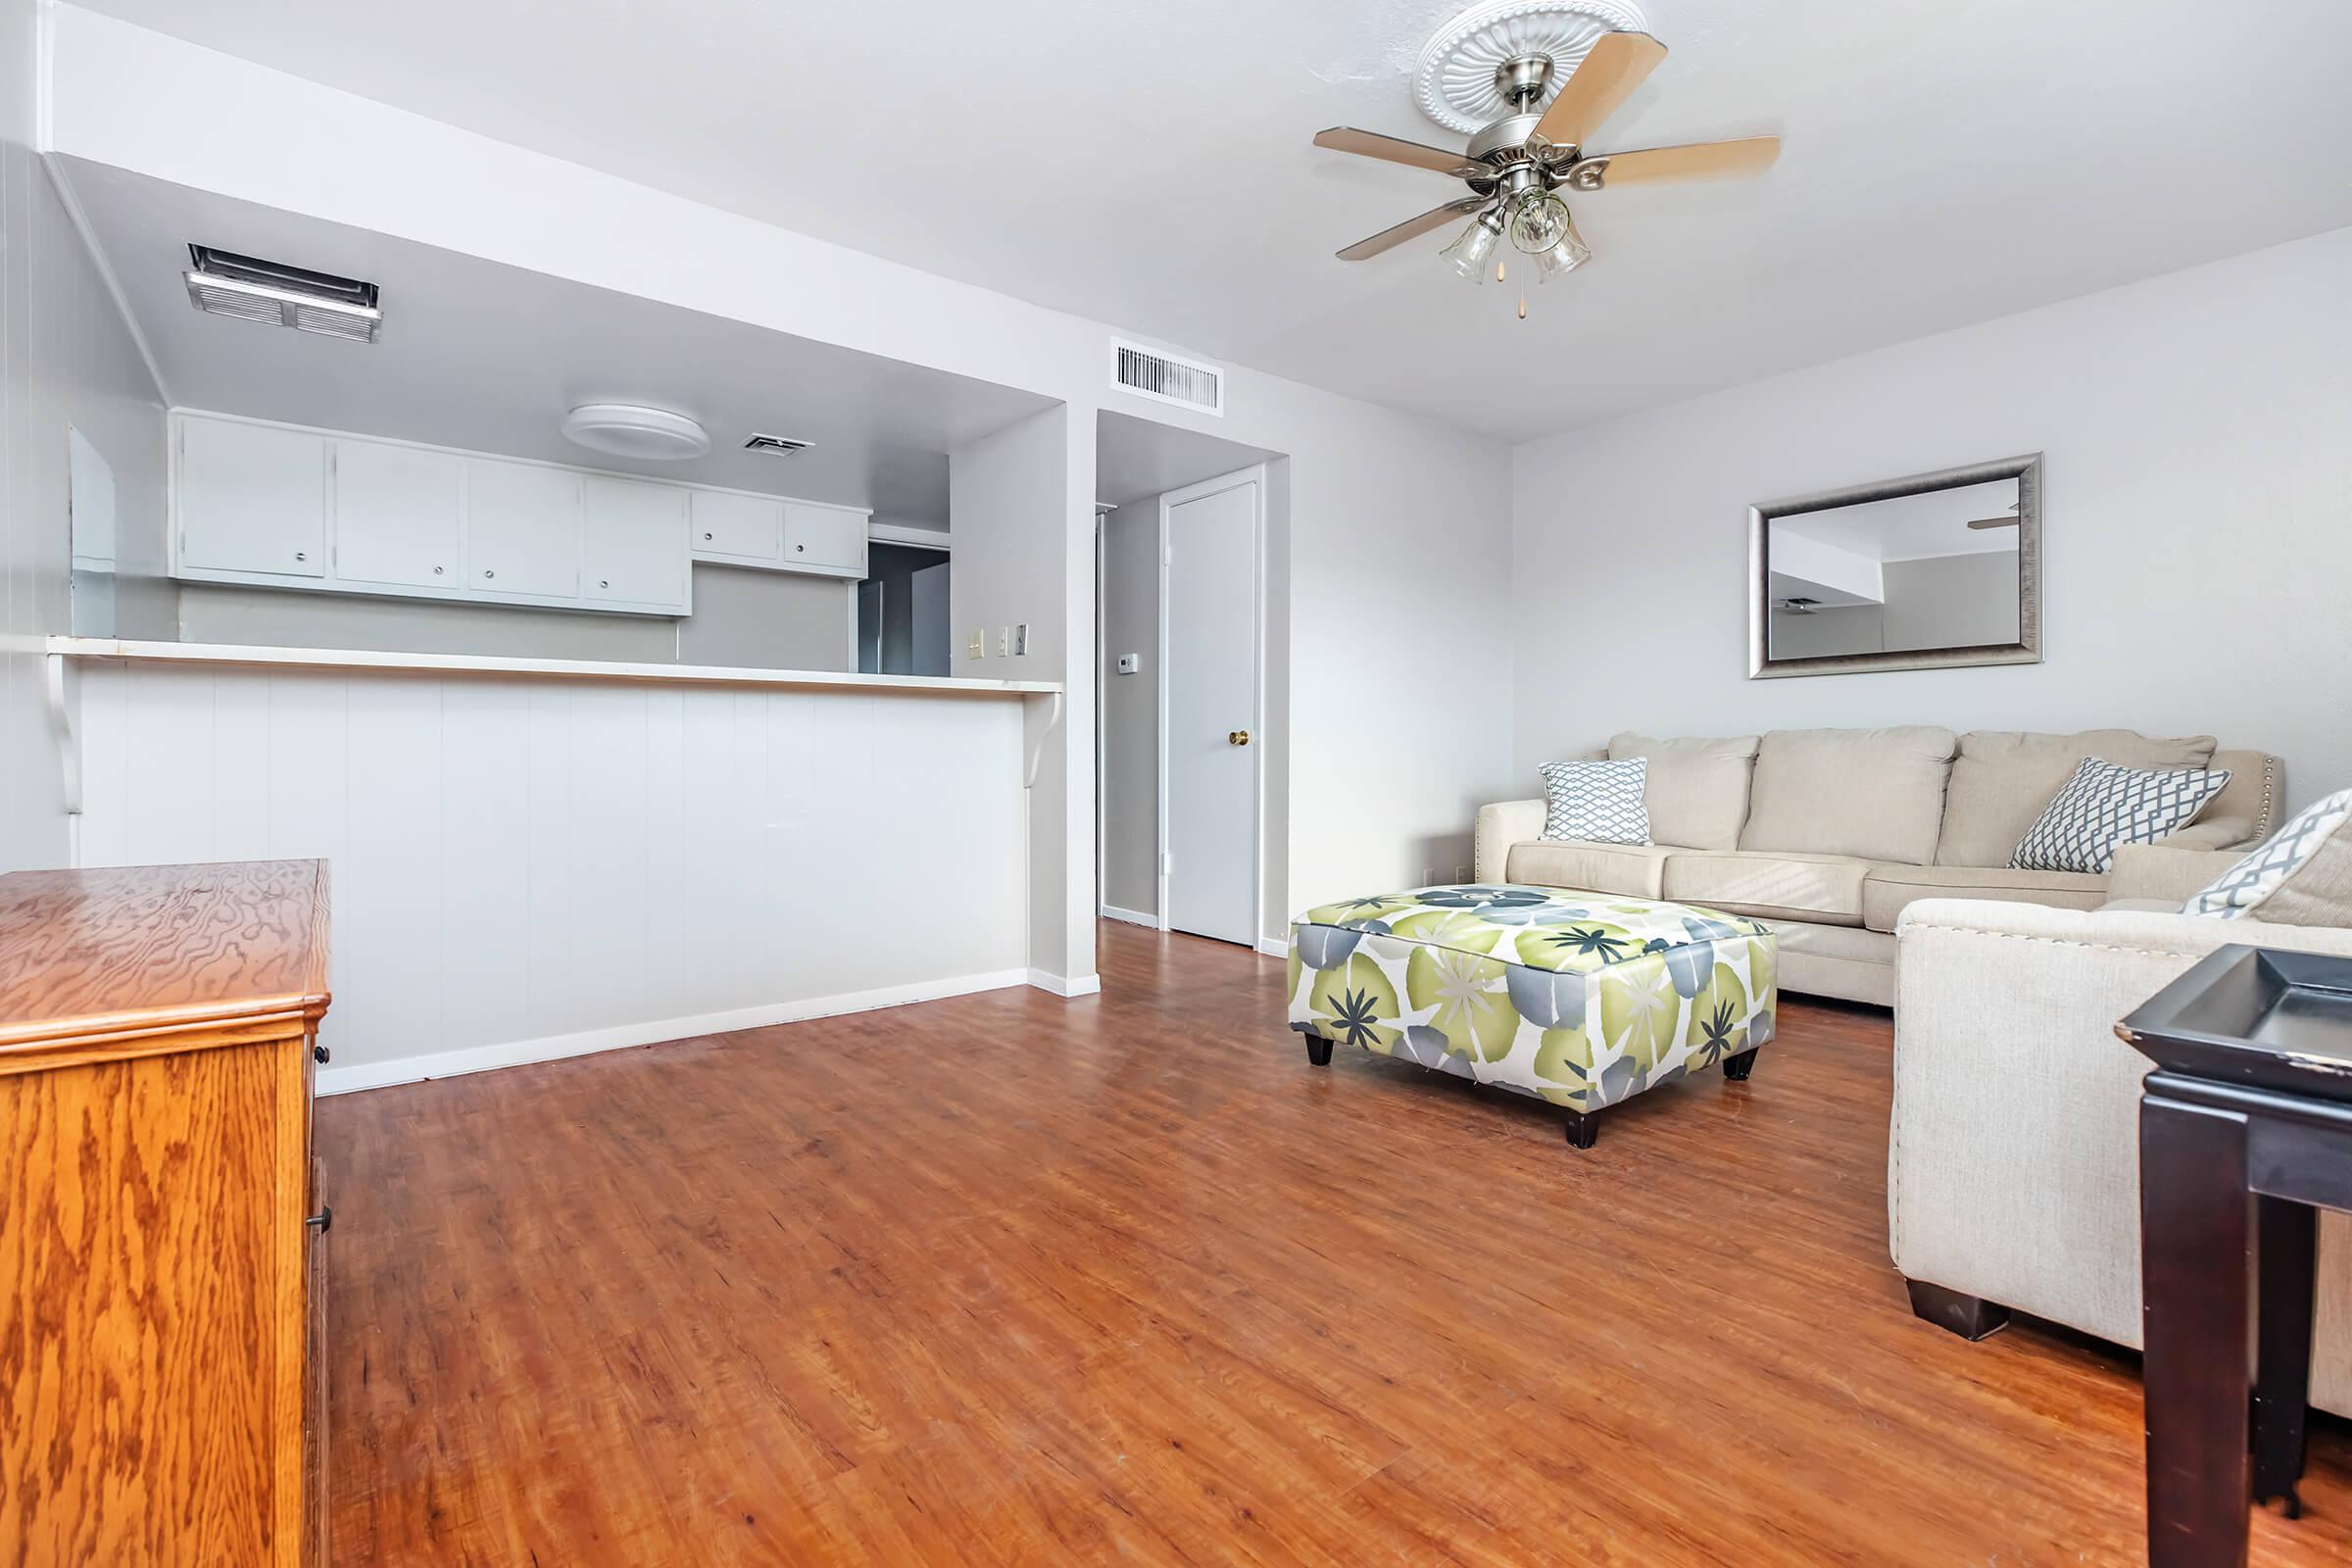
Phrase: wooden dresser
(162, 1287)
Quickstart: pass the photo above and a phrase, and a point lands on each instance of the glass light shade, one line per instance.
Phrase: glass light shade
(1565, 257)
(1474, 246)
(1537, 220)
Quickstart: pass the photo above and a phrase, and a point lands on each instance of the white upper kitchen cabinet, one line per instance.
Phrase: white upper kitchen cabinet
(522, 530)
(633, 542)
(252, 498)
(730, 526)
(824, 539)
(400, 515)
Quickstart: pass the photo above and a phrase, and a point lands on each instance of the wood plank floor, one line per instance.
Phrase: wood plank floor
(1009, 1279)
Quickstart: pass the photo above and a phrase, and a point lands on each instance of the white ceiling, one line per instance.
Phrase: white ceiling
(1921, 527)
(480, 355)
(1150, 165)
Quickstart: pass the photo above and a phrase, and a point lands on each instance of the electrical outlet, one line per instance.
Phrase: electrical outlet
(1004, 641)
(1129, 663)
(1020, 638)
(979, 644)
(1461, 873)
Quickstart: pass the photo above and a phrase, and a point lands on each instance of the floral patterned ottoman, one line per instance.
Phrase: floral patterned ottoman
(1583, 1001)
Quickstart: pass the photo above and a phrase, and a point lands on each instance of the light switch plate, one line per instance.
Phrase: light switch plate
(979, 646)
(1004, 641)
(1020, 638)
(1129, 663)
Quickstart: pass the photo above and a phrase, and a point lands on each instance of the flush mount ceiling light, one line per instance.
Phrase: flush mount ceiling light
(224, 283)
(1532, 80)
(629, 431)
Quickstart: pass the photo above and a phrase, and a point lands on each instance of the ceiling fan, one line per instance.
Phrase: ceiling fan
(1517, 164)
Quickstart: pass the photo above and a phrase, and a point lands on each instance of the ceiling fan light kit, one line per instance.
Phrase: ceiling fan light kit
(1529, 81)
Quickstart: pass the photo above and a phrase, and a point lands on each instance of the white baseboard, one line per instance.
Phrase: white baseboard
(656, 1031)
(1085, 986)
(1274, 946)
(1112, 912)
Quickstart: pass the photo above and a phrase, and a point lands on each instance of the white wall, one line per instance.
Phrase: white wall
(528, 868)
(1131, 708)
(1395, 525)
(1019, 559)
(2197, 534)
(65, 360)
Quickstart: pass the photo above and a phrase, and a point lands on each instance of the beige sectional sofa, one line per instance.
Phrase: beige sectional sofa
(1829, 834)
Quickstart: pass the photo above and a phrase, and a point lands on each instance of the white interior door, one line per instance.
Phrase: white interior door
(1209, 742)
(930, 593)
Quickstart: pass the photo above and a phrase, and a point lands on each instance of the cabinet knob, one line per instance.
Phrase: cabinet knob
(324, 1220)
(800, 547)
(436, 572)
(706, 537)
(603, 583)
(488, 573)
(300, 556)
(318, 1053)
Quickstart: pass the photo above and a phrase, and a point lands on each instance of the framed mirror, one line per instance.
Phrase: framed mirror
(1930, 572)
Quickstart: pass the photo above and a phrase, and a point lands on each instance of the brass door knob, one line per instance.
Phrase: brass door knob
(1240, 737)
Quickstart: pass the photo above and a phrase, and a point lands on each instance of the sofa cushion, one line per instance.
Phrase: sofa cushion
(1635, 870)
(1823, 888)
(1868, 793)
(1697, 787)
(2002, 778)
(1889, 888)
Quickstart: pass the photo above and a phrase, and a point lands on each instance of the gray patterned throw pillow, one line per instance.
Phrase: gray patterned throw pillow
(1597, 802)
(2104, 806)
(2314, 847)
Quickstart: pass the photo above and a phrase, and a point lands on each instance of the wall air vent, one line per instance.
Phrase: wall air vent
(1187, 383)
(223, 283)
(779, 446)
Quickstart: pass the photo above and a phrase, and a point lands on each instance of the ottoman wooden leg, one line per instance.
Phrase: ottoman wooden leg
(1318, 1051)
(1972, 1317)
(1583, 1127)
(1736, 1068)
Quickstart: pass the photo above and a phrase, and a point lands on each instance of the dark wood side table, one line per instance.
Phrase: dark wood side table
(2245, 1127)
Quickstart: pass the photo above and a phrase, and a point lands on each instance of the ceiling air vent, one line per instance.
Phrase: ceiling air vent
(223, 283)
(1186, 382)
(781, 446)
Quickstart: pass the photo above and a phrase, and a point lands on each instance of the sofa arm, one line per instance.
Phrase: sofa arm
(2170, 871)
(2013, 1160)
(1499, 826)
(2234, 833)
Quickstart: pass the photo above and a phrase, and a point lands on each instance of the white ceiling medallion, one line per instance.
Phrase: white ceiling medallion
(1454, 82)
(627, 430)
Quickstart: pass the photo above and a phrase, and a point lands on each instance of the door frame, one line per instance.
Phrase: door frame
(1255, 474)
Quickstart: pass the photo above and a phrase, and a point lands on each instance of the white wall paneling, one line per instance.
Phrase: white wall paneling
(527, 868)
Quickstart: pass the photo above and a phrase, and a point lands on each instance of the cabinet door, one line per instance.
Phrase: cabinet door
(741, 527)
(252, 498)
(824, 537)
(633, 542)
(522, 530)
(399, 513)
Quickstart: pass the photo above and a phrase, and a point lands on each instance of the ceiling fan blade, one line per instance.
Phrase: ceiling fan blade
(1397, 150)
(1993, 522)
(1705, 160)
(1617, 64)
(1411, 229)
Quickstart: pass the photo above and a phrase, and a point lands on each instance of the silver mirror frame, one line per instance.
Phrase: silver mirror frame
(2027, 650)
